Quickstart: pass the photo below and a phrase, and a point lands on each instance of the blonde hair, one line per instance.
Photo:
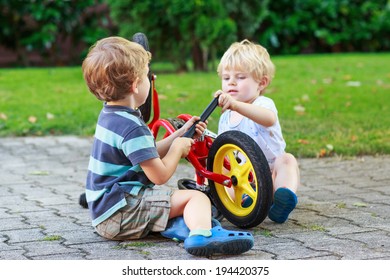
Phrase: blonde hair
(111, 67)
(248, 57)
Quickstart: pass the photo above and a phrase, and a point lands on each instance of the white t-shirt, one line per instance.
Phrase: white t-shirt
(270, 139)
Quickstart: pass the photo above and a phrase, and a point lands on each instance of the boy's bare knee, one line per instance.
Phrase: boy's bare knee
(287, 159)
(200, 195)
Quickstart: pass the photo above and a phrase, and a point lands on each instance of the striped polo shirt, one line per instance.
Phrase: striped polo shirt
(122, 141)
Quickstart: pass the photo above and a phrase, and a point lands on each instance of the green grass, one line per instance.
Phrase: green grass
(52, 238)
(328, 104)
(315, 227)
(135, 244)
(45, 101)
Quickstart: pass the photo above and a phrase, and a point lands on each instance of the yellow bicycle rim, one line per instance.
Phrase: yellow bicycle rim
(233, 162)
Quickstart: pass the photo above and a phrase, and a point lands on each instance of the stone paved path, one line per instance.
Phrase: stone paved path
(343, 210)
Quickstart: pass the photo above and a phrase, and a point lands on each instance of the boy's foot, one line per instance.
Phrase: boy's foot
(83, 200)
(221, 241)
(177, 229)
(284, 202)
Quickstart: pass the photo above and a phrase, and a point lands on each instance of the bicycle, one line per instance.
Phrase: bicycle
(230, 168)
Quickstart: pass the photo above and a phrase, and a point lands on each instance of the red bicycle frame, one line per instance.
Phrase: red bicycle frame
(199, 151)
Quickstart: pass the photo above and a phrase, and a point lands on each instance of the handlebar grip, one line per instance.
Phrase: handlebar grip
(203, 117)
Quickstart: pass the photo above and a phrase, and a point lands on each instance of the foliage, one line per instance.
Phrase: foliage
(28, 26)
(193, 34)
(180, 29)
(301, 26)
(247, 15)
(203, 30)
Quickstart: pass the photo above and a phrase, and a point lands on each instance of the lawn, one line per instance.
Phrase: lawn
(328, 104)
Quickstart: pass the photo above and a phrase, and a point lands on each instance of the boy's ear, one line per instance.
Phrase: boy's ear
(134, 86)
(264, 82)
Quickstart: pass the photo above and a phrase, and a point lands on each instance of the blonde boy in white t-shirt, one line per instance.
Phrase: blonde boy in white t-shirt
(246, 70)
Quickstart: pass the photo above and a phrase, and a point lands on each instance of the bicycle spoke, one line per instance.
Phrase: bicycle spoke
(248, 189)
(246, 168)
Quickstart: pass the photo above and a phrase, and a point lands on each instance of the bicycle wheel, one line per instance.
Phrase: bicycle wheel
(246, 203)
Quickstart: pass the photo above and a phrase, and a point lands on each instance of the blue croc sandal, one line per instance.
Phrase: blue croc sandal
(178, 230)
(284, 202)
(221, 241)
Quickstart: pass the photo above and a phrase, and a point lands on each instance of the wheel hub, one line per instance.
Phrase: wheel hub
(234, 180)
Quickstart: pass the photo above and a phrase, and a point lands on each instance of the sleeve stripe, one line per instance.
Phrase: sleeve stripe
(138, 143)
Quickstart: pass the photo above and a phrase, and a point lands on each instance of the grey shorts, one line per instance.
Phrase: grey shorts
(144, 213)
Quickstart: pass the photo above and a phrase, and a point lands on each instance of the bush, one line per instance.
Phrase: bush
(307, 26)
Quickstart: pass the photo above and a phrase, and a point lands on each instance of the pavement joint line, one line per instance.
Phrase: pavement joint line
(346, 201)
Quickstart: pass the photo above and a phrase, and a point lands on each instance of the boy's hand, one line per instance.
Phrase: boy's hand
(199, 127)
(226, 101)
(182, 144)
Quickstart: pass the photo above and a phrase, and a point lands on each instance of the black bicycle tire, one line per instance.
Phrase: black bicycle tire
(262, 173)
(146, 108)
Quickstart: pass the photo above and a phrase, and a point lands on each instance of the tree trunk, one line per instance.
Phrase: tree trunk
(197, 57)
